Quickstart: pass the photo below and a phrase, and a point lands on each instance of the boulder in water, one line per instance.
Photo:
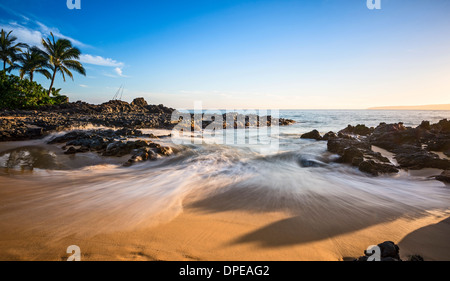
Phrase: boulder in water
(314, 134)
(444, 176)
(329, 135)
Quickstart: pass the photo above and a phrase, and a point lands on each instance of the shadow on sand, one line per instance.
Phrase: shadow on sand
(432, 242)
(313, 216)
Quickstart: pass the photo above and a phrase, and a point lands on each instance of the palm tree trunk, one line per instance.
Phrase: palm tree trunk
(4, 65)
(31, 76)
(53, 80)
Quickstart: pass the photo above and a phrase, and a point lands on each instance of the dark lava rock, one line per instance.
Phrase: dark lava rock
(419, 159)
(439, 143)
(356, 161)
(338, 145)
(375, 168)
(358, 153)
(361, 130)
(285, 122)
(443, 126)
(139, 102)
(444, 176)
(116, 106)
(314, 134)
(350, 153)
(389, 250)
(413, 147)
(165, 150)
(329, 135)
(425, 125)
(15, 130)
(390, 136)
(29, 124)
(106, 143)
(127, 132)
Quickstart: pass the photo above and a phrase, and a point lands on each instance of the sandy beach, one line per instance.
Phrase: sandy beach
(213, 228)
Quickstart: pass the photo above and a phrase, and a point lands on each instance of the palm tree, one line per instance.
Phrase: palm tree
(9, 50)
(62, 56)
(33, 60)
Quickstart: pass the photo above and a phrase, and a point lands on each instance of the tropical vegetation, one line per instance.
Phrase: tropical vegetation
(54, 56)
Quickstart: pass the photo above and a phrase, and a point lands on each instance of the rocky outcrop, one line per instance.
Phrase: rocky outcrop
(231, 120)
(444, 176)
(413, 147)
(23, 124)
(314, 134)
(139, 102)
(391, 136)
(376, 168)
(11, 129)
(415, 159)
(113, 143)
(361, 130)
(329, 135)
(358, 153)
(338, 145)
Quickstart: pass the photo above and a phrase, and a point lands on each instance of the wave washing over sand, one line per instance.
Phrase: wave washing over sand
(215, 202)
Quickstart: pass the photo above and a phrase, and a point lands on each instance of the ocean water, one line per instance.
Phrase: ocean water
(299, 177)
(334, 120)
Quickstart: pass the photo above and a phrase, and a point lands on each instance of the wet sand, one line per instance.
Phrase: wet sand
(218, 226)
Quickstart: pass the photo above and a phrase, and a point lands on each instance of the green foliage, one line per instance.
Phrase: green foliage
(16, 93)
(57, 56)
(8, 48)
(62, 57)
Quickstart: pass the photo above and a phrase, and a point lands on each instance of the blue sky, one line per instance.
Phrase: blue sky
(317, 54)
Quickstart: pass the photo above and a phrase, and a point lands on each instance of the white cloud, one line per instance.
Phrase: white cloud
(101, 61)
(84, 86)
(98, 60)
(46, 30)
(118, 70)
(23, 34)
(32, 31)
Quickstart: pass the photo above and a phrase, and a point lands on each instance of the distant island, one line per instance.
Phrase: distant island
(414, 107)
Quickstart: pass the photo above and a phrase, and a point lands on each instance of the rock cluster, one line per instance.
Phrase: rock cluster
(414, 148)
(23, 124)
(113, 143)
(231, 120)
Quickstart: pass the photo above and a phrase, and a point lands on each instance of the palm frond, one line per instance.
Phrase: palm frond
(45, 72)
